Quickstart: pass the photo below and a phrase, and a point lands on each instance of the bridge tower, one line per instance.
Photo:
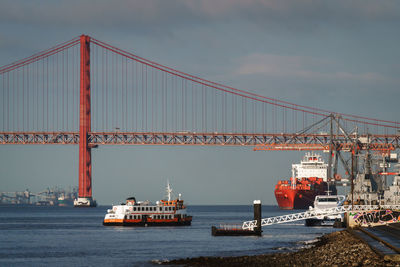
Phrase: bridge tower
(85, 156)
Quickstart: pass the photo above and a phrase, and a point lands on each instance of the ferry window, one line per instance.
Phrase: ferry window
(142, 208)
(147, 209)
(134, 208)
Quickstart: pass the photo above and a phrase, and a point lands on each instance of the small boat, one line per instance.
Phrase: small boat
(167, 212)
(326, 202)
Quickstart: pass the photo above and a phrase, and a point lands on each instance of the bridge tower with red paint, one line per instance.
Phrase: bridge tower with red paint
(85, 155)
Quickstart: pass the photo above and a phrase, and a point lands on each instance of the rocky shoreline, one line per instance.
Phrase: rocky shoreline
(335, 249)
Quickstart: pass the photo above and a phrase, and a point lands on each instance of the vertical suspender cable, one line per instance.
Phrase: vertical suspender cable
(106, 91)
(67, 89)
(63, 91)
(103, 85)
(126, 94)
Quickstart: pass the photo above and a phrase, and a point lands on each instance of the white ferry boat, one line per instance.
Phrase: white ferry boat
(169, 212)
(326, 202)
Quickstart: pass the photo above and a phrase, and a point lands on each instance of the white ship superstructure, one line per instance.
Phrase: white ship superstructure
(312, 165)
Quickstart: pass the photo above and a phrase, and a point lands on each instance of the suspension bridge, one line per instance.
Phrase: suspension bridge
(87, 92)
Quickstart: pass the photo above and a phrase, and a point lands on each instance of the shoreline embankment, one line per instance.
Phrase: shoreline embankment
(335, 249)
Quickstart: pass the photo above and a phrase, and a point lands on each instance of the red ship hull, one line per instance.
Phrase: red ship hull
(302, 195)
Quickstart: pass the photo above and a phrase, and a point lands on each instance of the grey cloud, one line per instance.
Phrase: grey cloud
(152, 14)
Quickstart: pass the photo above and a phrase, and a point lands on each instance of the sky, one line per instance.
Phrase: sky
(336, 55)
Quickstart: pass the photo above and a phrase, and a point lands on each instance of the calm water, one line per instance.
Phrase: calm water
(61, 236)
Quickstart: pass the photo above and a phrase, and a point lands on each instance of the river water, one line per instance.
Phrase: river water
(64, 236)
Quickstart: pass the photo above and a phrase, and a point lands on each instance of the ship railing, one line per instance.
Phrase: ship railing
(230, 227)
(314, 213)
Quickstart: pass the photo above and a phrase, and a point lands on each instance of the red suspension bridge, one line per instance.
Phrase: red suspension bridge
(90, 93)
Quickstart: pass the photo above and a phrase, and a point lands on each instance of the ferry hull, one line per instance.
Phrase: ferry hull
(186, 222)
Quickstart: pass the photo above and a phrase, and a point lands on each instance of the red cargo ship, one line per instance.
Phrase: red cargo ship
(309, 179)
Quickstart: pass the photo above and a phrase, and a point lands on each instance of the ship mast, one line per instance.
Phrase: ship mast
(169, 191)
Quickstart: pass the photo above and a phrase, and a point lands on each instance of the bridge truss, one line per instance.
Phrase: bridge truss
(261, 142)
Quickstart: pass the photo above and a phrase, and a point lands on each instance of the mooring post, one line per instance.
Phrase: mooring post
(257, 216)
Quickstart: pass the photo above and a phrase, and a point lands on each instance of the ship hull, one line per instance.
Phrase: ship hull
(141, 223)
(289, 198)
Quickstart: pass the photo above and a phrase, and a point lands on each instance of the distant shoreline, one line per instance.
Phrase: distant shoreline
(337, 248)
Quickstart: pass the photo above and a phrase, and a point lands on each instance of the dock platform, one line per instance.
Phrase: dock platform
(233, 230)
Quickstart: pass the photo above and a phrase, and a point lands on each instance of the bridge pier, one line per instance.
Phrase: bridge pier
(85, 155)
